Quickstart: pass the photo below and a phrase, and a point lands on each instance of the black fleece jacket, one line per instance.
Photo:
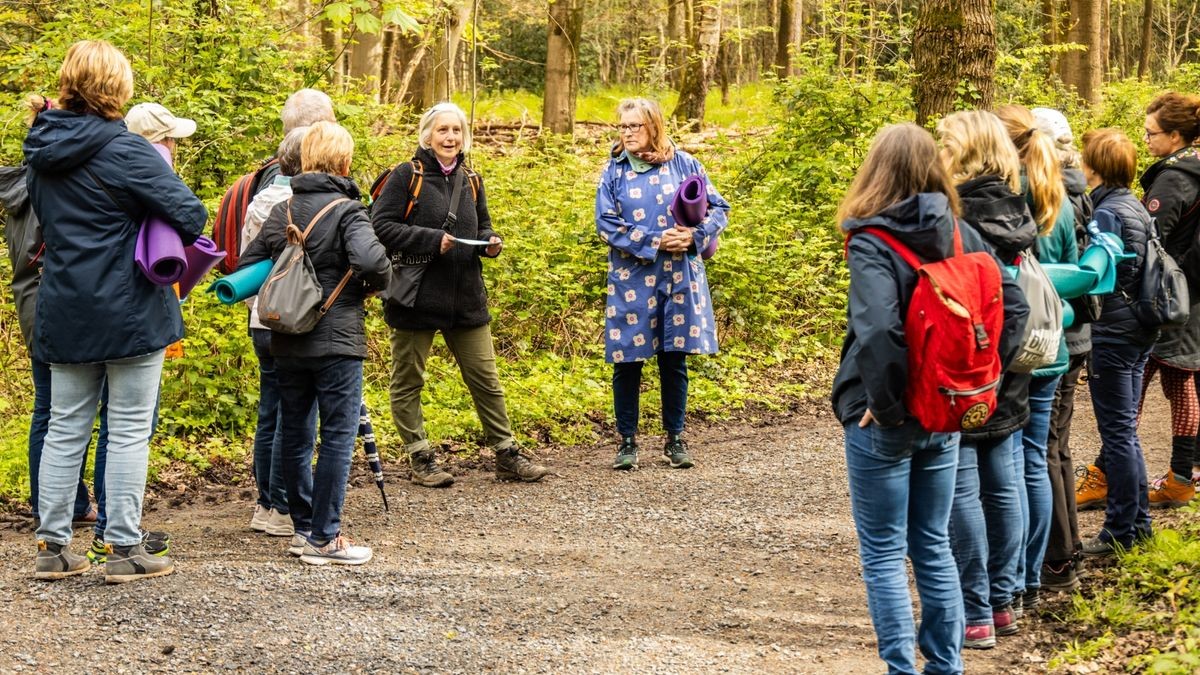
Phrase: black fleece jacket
(1172, 197)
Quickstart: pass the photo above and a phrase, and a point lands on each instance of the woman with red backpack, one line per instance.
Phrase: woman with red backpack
(902, 209)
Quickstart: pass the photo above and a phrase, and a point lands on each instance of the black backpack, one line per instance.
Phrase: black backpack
(1163, 297)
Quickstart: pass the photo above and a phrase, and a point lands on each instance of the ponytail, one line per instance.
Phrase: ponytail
(1039, 157)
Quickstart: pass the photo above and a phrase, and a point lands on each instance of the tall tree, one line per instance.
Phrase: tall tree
(1147, 24)
(704, 40)
(562, 65)
(785, 36)
(954, 50)
(1084, 70)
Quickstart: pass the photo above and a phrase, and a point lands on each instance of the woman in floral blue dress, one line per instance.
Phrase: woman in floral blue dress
(658, 300)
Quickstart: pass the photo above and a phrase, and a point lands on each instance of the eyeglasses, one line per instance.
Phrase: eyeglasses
(1151, 134)
(633, 128)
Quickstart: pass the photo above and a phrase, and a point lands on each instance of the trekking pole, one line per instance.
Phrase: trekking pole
(371, 450)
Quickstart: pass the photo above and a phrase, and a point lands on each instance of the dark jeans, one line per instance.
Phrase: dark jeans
(673, 381)
(39, 423)
(1116, 384)
(268, 436)
(334, 384)
(1064, 525)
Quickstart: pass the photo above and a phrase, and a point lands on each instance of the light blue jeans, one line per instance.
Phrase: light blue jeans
(1036, 499)
(74, 394)
(901, 487)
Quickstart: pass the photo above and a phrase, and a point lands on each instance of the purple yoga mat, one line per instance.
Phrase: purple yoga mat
(201, 256)
(159, 252)
(691, 205)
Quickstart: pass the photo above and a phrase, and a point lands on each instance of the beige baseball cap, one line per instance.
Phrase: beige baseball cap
(154, 122)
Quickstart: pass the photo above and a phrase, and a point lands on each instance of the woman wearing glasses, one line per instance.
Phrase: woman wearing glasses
(658, 301)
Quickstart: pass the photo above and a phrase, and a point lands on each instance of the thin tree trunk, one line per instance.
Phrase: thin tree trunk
(387, 56)
(562, 65)
(705, 40)
(331, 40)
(954, 42)
(785, 36)
(1147, 45)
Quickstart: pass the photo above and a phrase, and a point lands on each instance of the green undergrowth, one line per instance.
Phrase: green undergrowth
(1142, 614)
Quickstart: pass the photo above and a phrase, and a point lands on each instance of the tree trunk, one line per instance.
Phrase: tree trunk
(785, 36)
(366, 57)
(387, 57)
(441, 83)
(562, 65)
(677, 37)
(705, 40)
(331, 40)
(954, 43)
(1147, 24)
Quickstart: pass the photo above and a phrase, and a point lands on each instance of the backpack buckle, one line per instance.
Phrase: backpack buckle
(981, 337)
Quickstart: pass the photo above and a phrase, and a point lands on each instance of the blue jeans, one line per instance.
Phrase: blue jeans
(1037, 501)
(901, 488)
(268, 436)
(334, 384)
(673, 383)
(1116, 384)
(75, 391)
(102, 458)
(39, 422)
(985, 526)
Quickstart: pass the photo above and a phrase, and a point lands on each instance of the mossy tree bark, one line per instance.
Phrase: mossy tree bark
(954, 55)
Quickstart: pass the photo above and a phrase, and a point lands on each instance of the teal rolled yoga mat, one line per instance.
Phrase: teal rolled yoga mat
(242, 284)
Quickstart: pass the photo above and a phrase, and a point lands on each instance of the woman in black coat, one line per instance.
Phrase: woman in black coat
(412, 218)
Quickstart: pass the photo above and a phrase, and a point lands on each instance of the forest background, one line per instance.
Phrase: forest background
(779, 99)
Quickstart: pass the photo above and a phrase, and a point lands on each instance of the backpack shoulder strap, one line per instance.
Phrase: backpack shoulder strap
(315, 219)
(415, 181)
(898, 246)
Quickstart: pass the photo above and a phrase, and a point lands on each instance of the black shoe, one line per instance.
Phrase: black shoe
(676, 452)
(425, 470)
(1031, 600)
(627, 455)
(512, 464)
(1097, 547)
(1060, 576)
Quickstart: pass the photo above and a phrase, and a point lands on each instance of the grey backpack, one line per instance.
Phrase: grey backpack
(1044, 329)
(290, 300)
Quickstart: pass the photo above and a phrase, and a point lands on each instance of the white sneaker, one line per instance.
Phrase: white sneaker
(340, 551)
(279, 524)
(258, 522)
(296, 546)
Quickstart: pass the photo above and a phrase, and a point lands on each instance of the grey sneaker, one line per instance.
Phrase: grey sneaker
(258, 522)
(339, 551)
(131, 563)
(627, 455)
(55, 561)
(676, 452)
(425, 471)
(296, 546)
(512, 464)
(279, 524)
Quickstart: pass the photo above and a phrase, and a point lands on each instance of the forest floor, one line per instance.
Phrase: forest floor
(747, 563)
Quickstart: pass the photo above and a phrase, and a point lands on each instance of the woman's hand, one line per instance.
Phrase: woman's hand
(866, 420)
(676, 240)
(496, 246)
(447, 242)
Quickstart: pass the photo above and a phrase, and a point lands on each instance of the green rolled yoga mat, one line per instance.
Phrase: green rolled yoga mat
(242, 284)
(1071, 281)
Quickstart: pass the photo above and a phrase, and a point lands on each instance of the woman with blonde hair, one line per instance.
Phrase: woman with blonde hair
(91, 183)
(985, 529)
(1045, 195)
(901, 475)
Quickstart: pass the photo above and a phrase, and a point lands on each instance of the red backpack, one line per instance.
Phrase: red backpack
(231, 215)
(955, 318)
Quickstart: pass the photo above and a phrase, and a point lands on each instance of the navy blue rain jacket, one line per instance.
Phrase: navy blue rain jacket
(94, 304)
(874, 366)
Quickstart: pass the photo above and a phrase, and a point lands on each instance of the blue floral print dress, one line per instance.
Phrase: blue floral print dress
(657, 301)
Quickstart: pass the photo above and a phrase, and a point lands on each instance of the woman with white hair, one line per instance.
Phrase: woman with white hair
(432, 216)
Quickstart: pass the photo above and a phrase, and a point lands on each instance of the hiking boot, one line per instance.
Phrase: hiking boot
(424, 470)
(1031, 599)
(626, 455)
(55, 561)
(1097, 547)
(258, 522)
(512, 464)
(1091, 488)
(297, 544)
(86, 520)
(1171, 491)
(156, 543)
(339, 551)
(1018, 605)
(131, 563)
(979, 636)
(676, 452)
(279, 524)
(1005, 621)
(1060, 577)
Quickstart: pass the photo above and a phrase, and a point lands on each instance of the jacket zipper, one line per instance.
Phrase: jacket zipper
(954, 393)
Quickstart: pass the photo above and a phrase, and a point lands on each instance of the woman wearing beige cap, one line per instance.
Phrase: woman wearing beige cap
(158, 125)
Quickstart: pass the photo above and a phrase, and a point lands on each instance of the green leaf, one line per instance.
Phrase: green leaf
(338, 13)
(368, 23)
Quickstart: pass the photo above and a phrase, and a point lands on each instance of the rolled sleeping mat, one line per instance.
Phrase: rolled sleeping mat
(201, 256)
(159, 252)
(690, 206)
(242, 284)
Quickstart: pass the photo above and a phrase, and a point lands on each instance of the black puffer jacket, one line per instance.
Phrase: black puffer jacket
(1172, 189)
(1119, 212)
(341, 241)
(452, 293)
(1002, 219)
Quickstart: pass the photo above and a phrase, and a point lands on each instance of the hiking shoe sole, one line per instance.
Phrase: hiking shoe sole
(681, 464)
(1091, 506)
(322, 560)
(625, 466)
(55, 576)
(1169, 505)
(445, 482)
(126, 578)
(516, 477)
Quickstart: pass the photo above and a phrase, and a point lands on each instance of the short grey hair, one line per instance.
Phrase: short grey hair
(305, 108)
(289, 151)
(425, 128)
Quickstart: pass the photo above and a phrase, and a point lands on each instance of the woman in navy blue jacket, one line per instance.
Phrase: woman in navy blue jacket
(91, 184)
(902, 476)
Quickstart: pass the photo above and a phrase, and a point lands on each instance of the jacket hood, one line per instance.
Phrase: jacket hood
(999, 215)
(60, 140)
(325, 182)
(923, 222)
(14, 194)
(1075, 182)
(1185, 160)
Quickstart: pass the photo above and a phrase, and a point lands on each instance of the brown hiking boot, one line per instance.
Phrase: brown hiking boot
(512, 464)
(55, 561)
(1091, 488)
(1171, 492)
(425, 471)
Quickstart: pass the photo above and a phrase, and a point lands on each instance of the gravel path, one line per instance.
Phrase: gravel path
(747, 563)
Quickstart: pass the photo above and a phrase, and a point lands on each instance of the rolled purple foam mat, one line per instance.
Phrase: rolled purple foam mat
(201, 256)
(691, 205)
(159, 253)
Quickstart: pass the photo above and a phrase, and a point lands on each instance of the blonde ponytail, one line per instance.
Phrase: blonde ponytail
(1039, 156)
